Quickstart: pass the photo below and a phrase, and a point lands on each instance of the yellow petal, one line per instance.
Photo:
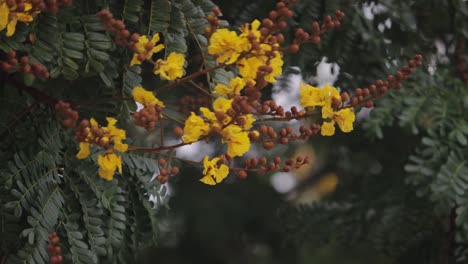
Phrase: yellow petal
(11, 27)
(135, 60)
(328, 128)
(4, 13)
(208, 180)
(84, 151)
(345, 119)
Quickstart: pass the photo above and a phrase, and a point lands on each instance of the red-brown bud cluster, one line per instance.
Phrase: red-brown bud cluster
(166, 170)
(86, 132)
(23, 65)
(302, 36)
(189, 103)
(276, 20)
(54, 249)
(117, 27)
(262, 165)
(51, 6)
(68, 115)
(364, 96)
(213, 21)
(147, 117)
(271, 108)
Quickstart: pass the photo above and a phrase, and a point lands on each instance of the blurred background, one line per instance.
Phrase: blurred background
(371, 196)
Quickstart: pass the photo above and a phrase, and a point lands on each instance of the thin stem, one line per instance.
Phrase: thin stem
(188, 78)
(201, 89)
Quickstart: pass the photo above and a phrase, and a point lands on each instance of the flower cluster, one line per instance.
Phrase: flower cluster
(223, 121)
(109, 137)
(152, 107)
(214, 171)
(169, 69)
(14, 11)
(232, 112)
(329, 99)
(255, 52)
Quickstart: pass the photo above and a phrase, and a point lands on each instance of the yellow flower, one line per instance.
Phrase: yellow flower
(248, 67)
(251, 29)
(344, 117)
(145, 98)
(9, 19)
(276, 65)
(115, 134)
(227, 45)
(84, 151)
(235, 87)
(213, 173)
(249, 120)
(108, 164)
(313, 96)
(195, 127)
(140, 47)
(172, 68)
(238, 140)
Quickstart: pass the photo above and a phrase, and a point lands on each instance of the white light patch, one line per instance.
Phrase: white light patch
(327, 73)
(288, 96)
(283, 182)
(139, 106)
(195, 151)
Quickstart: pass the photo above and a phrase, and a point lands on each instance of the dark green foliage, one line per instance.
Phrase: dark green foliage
(44, 188)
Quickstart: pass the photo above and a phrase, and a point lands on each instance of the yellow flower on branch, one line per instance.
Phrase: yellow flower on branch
(251, 31)
(237, 140)
(344, 118)
(250, 66)
(213, 173)
(110, 138)
(194, 128)
(9, 17)
(146, 98)
(147, 48)
(314, 96)
(108, 164)
(227, 46)
(172, 68)
(116, 135)
(235, 87)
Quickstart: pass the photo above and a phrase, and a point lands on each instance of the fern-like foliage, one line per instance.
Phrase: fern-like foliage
(44, 188)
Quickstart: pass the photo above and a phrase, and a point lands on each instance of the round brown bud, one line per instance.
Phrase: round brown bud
(294, 48)
(383, 89)
(284, 140)
(282, 24)
(242, 174)
(254, 162)
(365, 92)
(368, 104)
(358, 91)
(315, 39)
(268, 145)
(267, 22)
(344, 96)
(271, 166)
(280, 38)
(174, 170)
(273, 15)
(277, 160)
(354, 101)
(263, 160)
